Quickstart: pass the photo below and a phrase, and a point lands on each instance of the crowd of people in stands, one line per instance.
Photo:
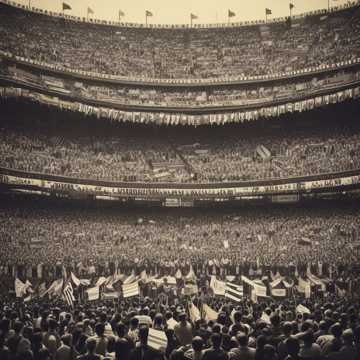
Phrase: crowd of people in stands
(250, 95)
(182, 53)
(35, 233)
(226, 158)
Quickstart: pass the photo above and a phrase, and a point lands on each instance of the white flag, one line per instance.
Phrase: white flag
(93, 293)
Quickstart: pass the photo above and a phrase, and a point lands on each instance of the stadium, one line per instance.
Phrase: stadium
(179, 191)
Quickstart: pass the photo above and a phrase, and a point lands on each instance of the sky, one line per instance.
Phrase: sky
(178, 11)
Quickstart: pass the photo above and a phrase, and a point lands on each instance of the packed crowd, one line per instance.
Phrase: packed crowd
(242, 96)
(182, 53)
(270, 330)
(188, 159)
(33, 233)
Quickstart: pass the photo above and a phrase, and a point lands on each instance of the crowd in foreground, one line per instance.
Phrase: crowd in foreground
(329, 328)
(182, 53)
(140, 158)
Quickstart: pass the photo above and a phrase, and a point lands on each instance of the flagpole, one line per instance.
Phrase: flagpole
(146, 19)
(190, 20)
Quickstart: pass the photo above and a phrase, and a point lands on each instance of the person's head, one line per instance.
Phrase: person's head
(237, 316)
(275, 320)
(99, 329)
(216, 340)
(91, 345)
(18, 325)
(52, 324)
(287, 328)
(242, 339)
(260, 341)
(348, 336)
(197, 343)
(134, 323)
(120, 329)
(143, 334)
(182, 317)
(269, 352)
(292, 346)
(67, 339)
(336, 330)
(308, 338)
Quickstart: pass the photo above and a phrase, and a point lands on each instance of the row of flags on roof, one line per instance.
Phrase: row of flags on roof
(148, 13)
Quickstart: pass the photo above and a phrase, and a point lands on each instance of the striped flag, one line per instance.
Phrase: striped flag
(130, 290)
(157, 339)
(66, 6)
(234, 292)
(68, 294)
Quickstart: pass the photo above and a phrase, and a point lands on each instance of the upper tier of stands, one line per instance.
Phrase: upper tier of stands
(312, 41)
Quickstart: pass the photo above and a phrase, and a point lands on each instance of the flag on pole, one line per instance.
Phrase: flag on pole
(130, 290)
(65, 6)
(231, 13)
(291, 6)
(148, 13)
(217, 286)
(193, 17)
(267, 11)
(75, 280)
(234, 292)
(68, 294)
(90, 11)
(121, 13)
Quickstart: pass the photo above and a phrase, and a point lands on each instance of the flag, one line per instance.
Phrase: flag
(143, 276)
(100, 281)
(191, 275)
(65, 6)
(55, 288)
(266, 318)
(148, 13)
(121, 13)
(68, 294)
(302, 309)
(194, 312)
(90, 10)
(291, 6)
(75, 280)
(209, 313)
(268, 11)
(93, 293)
(110, 295)
(20, 288)
(193, 17)
(130, 290)
(130, 279)
(217, 286)
(234, 292)
(231, 13)
(157, 339)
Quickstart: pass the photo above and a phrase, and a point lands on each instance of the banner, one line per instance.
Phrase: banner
(93, 293)
(157, 340)
(217, 286)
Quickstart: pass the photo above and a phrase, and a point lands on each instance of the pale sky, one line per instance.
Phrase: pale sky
(178, 11)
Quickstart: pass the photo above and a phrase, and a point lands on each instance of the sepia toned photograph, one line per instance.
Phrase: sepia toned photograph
(179, 180)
